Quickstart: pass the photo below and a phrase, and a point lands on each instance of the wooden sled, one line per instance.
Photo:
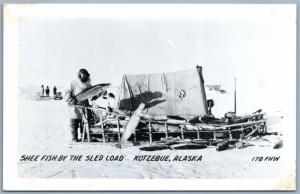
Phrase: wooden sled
(212, 134)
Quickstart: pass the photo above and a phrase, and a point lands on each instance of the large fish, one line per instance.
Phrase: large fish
(132, 123)
(91, 92)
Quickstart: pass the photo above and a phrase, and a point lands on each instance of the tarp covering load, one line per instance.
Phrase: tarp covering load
(177, 93)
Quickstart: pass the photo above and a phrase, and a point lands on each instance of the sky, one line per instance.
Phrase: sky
(255, 44)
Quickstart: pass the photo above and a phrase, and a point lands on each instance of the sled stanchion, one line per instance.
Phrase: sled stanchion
(118, 126)
(150, 133)
(181, 129)
(88, 132)
(85, 122)
(119, 132)
(87, 126)
(242, 132)
(198, 134)
(102, 127)
(265, 127)
(166, 129)
(260, 129)
(230, 135)
(215, 135)
(79, 131)
(134, 136)
(83, 132)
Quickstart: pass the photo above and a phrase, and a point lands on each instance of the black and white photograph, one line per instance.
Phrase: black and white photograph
(149, 97)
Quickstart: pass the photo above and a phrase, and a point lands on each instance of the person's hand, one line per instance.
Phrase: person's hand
(110, 109)
(72, 101)
(104, 93)
(94, 97)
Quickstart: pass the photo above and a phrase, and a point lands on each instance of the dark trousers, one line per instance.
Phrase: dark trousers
(74, 125)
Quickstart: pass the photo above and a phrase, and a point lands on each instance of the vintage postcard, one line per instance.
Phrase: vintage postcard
(149, 97)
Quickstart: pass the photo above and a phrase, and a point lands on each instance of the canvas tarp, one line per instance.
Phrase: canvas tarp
(178, 93)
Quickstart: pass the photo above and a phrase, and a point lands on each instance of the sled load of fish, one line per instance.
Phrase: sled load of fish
(170, 111)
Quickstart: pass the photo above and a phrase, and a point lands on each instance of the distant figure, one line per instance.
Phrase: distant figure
(54, 91)
(43, 91)
(47, 91)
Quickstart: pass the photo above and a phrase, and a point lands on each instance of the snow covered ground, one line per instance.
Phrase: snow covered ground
(43, 131)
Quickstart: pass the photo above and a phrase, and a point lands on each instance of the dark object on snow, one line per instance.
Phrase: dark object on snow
(225, 145)
(155, 147)
(278, 145)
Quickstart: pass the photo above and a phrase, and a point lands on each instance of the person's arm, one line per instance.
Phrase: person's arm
(69, 95)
